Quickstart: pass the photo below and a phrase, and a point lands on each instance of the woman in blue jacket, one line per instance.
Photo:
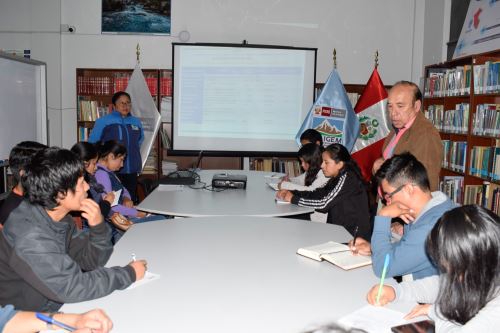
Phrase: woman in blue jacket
(123, 127)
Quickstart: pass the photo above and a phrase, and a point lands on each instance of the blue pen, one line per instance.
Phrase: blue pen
(382, 278)
(52, 321)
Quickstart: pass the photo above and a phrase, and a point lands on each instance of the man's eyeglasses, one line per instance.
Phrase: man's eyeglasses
(388, 196)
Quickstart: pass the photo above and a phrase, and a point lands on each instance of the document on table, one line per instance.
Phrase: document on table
(274, 186)
(168, 188)
(373, 319)
(117, 197)
(148, 277)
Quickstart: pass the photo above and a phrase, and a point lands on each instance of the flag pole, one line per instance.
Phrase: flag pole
(138, 53)
(376, 59)
(334, 58)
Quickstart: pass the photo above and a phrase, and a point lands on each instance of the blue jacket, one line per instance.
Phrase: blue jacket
(408, 256)
(128, 131)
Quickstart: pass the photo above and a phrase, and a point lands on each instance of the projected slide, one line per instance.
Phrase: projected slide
(240, 98)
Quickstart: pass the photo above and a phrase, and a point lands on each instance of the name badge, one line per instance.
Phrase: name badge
(135, 128)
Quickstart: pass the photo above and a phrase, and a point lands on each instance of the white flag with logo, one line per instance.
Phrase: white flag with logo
(144, 108)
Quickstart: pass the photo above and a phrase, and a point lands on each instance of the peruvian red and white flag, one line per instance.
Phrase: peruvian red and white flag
(373, 124)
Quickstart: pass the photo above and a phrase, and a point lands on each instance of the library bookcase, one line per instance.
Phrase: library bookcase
(462, 99)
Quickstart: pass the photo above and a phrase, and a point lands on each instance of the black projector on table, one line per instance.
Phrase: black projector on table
(223, 180)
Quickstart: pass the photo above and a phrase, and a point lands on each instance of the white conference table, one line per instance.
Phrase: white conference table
(228, 274)
(256, 200)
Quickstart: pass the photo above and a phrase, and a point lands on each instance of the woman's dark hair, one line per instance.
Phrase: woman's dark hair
(465, 246)
(88, 151)
(52, 172)
(339, 153)
(21, 155)
(85, 150)
(111, 147)
(119, 94)
(311, 154)
(312, 136)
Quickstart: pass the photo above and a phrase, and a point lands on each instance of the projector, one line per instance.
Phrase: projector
(223, 180)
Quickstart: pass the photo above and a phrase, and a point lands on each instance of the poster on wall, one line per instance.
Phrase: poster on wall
(136, 17)
(481, 29)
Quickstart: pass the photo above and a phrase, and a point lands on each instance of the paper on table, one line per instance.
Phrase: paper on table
(274, 175)
(166, 187)
(117, 197)
(274, 186)
(281, 202)
(148, 277)
(373, 319)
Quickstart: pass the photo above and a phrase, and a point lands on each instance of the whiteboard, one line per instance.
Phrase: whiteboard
(23, 102)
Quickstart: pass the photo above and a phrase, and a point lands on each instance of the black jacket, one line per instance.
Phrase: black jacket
(345, 199)
(44, 263)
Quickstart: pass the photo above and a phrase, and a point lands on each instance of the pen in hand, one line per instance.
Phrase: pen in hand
(355, 236)
(382, 278)
(52, 321)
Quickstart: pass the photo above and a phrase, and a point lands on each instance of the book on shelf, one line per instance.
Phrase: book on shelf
(457, 155)
(486, 120)
(441, 82)
(486, 195)
(435, 113)
(165, 139)
(291, 167)
(91, 110)
(480, 161)
(83, 133)
(94, 85)
(494, 198)
(166, 109)
(166, 86)
(453, 187)
(486, 77)
(335, 253)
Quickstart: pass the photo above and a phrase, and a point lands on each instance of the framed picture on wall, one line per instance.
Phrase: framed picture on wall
(135, 17)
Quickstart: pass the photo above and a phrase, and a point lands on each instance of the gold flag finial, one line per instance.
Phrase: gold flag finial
(138, 53)
(376, 59)
(335, 58)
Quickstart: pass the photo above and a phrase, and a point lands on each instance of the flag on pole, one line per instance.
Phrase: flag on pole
(374, 125)
(144, 108)
(332, 115)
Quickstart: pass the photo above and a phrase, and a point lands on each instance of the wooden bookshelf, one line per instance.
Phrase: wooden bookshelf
(471, 81)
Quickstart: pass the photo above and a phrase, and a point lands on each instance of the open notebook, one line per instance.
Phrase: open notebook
(335, 253)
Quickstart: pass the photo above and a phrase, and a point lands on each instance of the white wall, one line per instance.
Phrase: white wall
(399, 29)
(34, 25)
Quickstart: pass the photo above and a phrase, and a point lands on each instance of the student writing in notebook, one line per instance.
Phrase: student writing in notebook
(405, 188)
(344, 197)
(310, 156)
(465, 245)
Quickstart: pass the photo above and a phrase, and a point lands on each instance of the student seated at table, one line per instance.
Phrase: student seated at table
(311, 136)
(405, 188)
(19, 157)
(310, 156)
(12, 321)
(88, 153)
(111, 157)
(465, 245)
(44, 260)
(344, 197)
(312, 178)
